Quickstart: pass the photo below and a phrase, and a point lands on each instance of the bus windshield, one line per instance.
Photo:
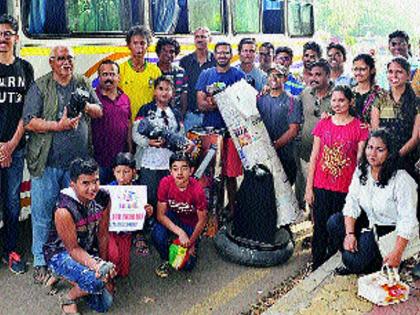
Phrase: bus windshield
(89, 18)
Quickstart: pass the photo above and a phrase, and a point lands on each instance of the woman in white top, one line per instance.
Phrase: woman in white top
(381, 198)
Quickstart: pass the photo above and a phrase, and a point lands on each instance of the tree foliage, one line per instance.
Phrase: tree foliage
(355, 18)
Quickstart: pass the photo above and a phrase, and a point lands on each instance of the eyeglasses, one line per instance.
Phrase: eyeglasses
(361, 69)
(265, 54)
(7, 34)
(63, 58)
(108, 74)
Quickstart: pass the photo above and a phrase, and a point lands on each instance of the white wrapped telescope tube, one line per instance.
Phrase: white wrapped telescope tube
(237, 105)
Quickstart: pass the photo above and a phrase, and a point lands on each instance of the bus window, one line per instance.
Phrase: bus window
(183, 16)
(47, 16)
(60, 17)
(273, 16)
(301, 18)
(165, 15)
(206, 13)
(3, 7)
(245, 15)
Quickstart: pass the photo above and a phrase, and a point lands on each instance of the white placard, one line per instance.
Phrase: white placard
(127, 208)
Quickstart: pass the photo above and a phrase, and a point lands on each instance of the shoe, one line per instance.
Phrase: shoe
(162, 271)
(15, 263)
(342, 271)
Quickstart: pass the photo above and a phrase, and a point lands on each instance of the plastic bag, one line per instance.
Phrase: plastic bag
(178, 255)
(383, 287)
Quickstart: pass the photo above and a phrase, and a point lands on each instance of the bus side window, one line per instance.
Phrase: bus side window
(184, 16)
(301, 18)
(273, 16)
(3, 7)
(47, 16)
(68, 17)
(245, 15)
(137, 10)
(165, 15)
(98, 15)
(209, 13)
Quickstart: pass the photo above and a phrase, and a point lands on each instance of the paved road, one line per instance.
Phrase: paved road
(214, 287)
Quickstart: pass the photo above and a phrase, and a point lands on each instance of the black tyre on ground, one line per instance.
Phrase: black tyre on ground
(251, 253)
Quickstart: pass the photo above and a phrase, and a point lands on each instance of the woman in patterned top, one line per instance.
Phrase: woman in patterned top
(338, 143)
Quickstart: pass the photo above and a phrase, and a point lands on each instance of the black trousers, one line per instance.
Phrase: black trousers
(326, 203)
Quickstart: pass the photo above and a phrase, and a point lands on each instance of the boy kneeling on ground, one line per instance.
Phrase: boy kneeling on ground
(81, 221)
(181, 212)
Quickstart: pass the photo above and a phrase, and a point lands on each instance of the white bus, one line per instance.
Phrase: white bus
(95, 28)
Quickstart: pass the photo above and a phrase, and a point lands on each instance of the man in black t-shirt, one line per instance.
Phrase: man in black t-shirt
(15, 77)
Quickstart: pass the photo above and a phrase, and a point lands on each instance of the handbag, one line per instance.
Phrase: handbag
(178, 255)
(383, 287)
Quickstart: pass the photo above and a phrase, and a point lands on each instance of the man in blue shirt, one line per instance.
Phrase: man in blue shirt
(222, 75)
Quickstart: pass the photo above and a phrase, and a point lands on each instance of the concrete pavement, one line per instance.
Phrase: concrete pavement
(214, 287)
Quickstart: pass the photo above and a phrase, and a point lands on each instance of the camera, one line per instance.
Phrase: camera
(152, 128)
(77, 102)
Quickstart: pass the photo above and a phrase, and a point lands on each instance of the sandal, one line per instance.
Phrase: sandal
(140, 245)
(40, 274)
(50, 285)
(64, 301)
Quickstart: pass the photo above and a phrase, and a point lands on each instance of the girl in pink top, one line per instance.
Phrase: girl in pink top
(338, 143)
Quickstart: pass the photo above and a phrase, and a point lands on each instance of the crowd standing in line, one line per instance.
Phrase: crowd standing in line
(318, 122)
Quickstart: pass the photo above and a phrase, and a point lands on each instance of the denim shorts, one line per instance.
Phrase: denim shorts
(63, 265)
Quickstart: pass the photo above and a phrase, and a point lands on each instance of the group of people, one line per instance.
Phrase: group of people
(346, 144)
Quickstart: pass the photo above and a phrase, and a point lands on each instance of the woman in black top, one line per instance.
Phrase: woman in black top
(366, 92)
(399, 113)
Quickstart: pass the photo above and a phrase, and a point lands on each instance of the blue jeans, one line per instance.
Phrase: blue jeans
(161, 238)
(11, 179)
(99, 299)
(367, 258)
(192, 119)
(45, 190)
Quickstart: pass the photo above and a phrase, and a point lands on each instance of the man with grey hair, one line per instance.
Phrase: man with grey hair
(56, 114)
(194, 64)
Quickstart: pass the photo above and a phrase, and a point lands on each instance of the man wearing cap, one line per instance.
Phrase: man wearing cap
(282, 116)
